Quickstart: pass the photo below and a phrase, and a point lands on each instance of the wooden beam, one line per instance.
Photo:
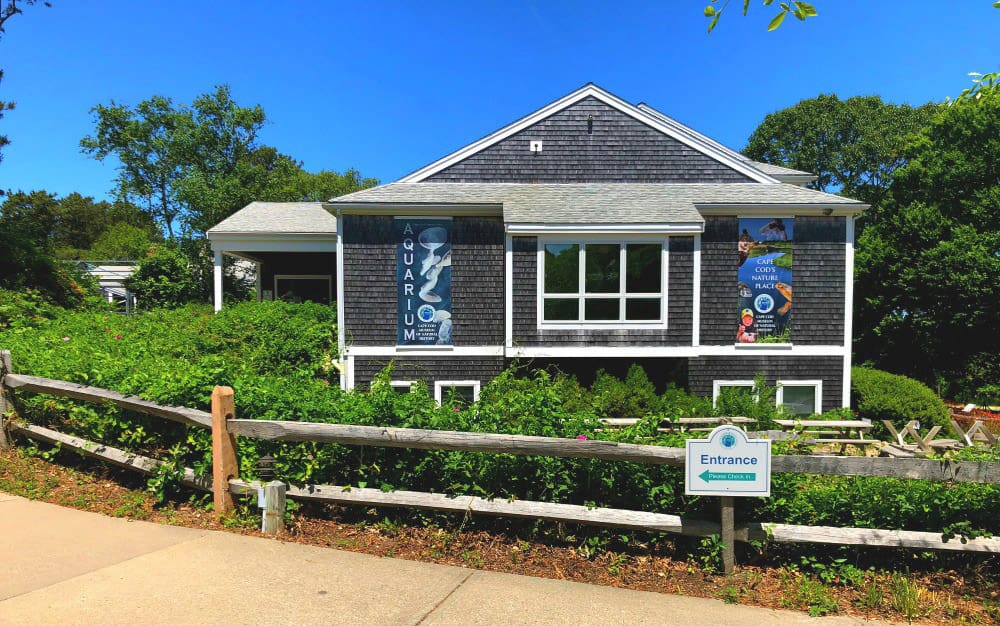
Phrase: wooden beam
(224, 464)
(786, 533)
(6, 405)
(924, 469)
(454, 440)
(121, 458)
(36, 384)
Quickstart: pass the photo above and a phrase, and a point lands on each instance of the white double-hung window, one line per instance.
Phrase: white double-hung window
(602, 282)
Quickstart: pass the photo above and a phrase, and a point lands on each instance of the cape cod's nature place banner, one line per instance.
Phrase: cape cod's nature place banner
(423, 281)
(765, 280)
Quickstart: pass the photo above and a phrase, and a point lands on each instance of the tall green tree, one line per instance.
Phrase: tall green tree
(854, 146)
(928, 288)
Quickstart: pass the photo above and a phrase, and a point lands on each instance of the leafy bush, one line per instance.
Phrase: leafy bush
(164, 278)
(878, 395)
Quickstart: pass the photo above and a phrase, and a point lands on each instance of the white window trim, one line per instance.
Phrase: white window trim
(407, 384)
(779, 398)
(441, 385)
(717, 386)
(328, 277)
(621, 295)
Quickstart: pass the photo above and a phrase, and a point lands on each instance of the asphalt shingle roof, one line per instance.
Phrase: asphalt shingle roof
(592, 203)
(278, 217)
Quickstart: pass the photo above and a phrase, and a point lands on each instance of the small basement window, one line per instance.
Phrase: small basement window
(721, 386)
(465, 392)
(402, 386)
(800, 397)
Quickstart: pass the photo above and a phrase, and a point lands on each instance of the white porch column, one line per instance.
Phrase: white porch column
(217, 266)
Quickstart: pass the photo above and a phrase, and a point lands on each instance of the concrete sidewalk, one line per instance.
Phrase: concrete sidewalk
(70, 567)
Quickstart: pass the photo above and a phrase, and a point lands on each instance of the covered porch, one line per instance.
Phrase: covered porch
(292, 246)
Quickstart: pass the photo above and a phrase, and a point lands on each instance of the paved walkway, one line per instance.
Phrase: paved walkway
(63, 566)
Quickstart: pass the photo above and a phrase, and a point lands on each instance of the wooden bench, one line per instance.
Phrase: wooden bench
(842, 432)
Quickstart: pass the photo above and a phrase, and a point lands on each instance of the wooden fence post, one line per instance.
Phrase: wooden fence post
(224, 464)
(5, 403)
(273, 520)
(728, 535)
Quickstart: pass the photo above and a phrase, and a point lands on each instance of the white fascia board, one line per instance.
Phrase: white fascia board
(770, 350)
(600, 351)
(705, 147)
(489, 209)
(405, 351)
(679, 228)
(791, 210)
(273, 242)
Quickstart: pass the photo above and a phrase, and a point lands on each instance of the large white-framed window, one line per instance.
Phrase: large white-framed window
(591, 282)
(466, 390)
(302, 287)
(800, 397)
(718, 386)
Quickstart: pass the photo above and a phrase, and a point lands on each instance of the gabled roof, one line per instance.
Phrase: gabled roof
(278, 217)
(783, 174)
(596, 203)
(661, 123)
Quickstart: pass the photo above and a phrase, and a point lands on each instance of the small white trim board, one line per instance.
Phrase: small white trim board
(728, 463)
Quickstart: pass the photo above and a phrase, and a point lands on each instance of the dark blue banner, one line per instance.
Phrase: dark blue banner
(765, 280)
(423, 281)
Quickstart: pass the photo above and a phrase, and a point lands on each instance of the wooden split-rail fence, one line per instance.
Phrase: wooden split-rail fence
(225, 482)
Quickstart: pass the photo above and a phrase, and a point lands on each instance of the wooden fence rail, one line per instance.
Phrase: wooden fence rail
(226, 481)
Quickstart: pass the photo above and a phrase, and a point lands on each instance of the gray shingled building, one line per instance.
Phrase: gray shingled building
(591, 233)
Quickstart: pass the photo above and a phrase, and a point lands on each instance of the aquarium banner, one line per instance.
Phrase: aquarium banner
(765, 280)
(423, 281)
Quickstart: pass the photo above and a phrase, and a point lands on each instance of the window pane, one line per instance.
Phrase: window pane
(603, 268)
(642, 268)
(642, 309)
(562, 268)
(601, 309)
(799, 399)
(559, 309)
(459, 395)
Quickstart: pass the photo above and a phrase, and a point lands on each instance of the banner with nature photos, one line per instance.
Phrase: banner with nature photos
(765, 280)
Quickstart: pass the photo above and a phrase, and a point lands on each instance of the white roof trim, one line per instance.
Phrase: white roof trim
(768, 210)
(682, 228)
(688, 137)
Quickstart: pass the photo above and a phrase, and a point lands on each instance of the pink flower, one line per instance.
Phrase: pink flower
(457, 410)
(118, 336)
(581, 437)
(65, 338)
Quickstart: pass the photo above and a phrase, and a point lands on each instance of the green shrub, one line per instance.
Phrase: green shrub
(164, 278)
(632, 398)
(878, 395)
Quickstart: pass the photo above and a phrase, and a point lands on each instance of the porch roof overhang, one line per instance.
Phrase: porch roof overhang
(276, 227)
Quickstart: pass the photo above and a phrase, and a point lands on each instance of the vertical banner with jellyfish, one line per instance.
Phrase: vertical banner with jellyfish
(765, 280)
(423, 281)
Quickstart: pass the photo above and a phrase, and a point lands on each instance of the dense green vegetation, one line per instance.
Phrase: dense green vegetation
(879, 395)
(277, 357)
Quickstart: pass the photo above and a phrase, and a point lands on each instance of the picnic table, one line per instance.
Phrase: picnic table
(977, 432)
(842, 432)
(683, 424)
(926, 444)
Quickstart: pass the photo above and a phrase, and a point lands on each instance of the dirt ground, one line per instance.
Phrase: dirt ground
(969, 596)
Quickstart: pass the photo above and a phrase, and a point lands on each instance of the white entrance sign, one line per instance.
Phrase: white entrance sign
(728, 464)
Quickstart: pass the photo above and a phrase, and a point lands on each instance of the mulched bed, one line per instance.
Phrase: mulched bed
(971, 595)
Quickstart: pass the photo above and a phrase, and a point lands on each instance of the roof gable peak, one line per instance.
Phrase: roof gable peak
(657, 121)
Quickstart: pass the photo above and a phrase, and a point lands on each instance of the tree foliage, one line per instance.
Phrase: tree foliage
(8, 9)
(190, 167)
(27, 260)
(929, 256)
(853, 146)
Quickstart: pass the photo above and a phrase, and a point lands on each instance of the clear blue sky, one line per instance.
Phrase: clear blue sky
(387, 87)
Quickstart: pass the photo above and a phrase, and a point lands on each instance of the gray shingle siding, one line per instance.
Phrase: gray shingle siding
(830, 369)
(819, 267)
(428, 369)
(370, 280)
(679, 320)
(620, 149)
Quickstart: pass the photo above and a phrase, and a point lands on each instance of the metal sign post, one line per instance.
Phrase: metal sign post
(728, 464)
